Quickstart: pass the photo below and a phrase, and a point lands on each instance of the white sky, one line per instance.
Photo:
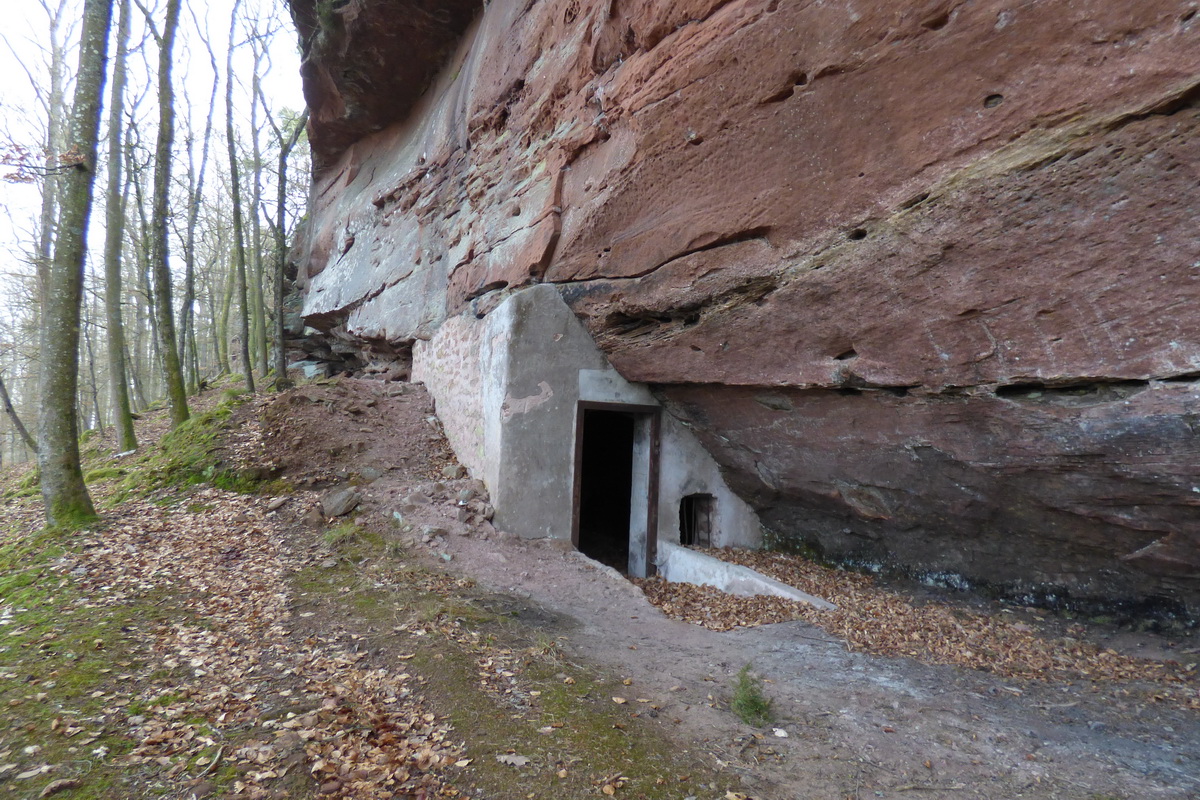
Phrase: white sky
(23, 49)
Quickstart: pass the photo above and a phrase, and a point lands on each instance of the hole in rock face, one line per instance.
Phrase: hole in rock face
(847, 355)
(780, 96)
(857, 235)
(1020, 389)
(993, 100)
(1188, 16)
(936, 23)
(695, 520)
(1076, 394)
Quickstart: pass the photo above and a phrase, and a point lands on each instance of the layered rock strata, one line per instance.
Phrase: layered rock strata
(922, 276)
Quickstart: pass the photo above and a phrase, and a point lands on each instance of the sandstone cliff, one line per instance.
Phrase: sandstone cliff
(923, 276)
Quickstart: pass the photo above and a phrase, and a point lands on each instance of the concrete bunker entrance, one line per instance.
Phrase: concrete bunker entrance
(616, 486)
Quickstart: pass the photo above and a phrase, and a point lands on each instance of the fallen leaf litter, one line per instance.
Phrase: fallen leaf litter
(363, 732)
(876, 620)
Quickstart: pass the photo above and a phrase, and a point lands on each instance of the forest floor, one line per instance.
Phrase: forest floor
(222, 634)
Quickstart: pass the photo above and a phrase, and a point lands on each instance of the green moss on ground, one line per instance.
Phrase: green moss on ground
(62, 664)
(577, 739)
(189, 455)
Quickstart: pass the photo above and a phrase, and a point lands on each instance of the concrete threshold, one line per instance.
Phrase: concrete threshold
(679, 564)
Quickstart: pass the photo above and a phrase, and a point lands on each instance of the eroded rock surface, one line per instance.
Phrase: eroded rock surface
(923, 276)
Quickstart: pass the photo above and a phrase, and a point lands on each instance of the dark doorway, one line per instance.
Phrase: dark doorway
(695, 520)
(606, 486)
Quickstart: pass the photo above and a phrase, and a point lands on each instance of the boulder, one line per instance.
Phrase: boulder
(339, 502)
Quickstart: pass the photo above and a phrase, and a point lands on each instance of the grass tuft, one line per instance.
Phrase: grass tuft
(749, 702)
(341, 534)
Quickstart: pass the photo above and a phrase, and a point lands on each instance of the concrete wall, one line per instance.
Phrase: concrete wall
(508, 388)
(681, 565)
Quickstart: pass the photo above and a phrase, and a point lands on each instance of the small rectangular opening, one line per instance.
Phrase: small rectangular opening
(695, 520)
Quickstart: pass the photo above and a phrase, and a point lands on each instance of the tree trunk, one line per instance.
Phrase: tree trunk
(19, 426)
(147, 349)
(168, 348)
(261, 348)
(285, 150)
(222, 339)
(55, 127)
(118, 380)
(196, 183)
(66, 496)
(187, 328)
(96, 418)
(239, 244)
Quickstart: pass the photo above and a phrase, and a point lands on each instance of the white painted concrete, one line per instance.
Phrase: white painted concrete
(686, 467)
(682, 565)
(508, 389)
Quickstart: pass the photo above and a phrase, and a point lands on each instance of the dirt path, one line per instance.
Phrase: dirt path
(207, 643)
(848, 724)
(856, 725)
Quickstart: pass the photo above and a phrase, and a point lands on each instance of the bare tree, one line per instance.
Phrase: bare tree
(239, 242)
(287, 142)
(65, 494)
(196, 176)
(262, 31)
(114, 238)
(160, 266)
(18, 426)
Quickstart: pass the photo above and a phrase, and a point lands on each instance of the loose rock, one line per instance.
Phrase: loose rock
(340, 502)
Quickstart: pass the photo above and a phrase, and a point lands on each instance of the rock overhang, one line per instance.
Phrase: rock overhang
(366, 63)
(748, 200)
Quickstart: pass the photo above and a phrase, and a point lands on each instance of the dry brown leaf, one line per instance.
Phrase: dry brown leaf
(513, 760)
(61, 785)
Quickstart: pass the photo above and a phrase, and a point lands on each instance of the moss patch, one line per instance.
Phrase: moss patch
(540, 727)
(189, 455)
(64, 664)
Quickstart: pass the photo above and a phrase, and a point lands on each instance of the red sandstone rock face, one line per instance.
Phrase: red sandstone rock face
(367, 62)
(924, 276)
